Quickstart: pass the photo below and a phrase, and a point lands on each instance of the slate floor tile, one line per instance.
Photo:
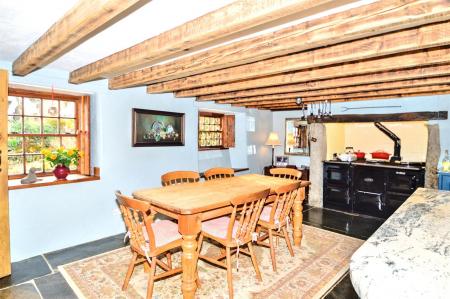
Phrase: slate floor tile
(343, 290)
(54, 286)
(25, 270)
(23, 291)
(75, 253)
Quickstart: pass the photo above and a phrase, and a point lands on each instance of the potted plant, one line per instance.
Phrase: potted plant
(61, 159)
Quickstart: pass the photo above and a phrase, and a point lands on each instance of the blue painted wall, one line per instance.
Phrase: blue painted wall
(50, 218)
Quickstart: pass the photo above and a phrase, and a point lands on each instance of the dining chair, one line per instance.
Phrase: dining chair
(286, 173)
(274, 219)
(218, 173)
(235, 231)
(179, 177)
(148, 240)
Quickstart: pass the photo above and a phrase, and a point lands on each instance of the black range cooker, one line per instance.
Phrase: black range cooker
(375, 189)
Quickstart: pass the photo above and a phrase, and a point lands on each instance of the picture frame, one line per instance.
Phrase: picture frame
(157, 128)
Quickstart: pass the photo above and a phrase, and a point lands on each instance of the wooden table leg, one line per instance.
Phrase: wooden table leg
(298, 216)
(189, 226)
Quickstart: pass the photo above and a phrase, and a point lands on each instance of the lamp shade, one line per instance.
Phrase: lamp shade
(273, 139)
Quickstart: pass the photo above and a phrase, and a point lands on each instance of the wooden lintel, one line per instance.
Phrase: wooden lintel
(81, 22)
(236, 19)
(427, 36)
(357, 23)
(358, 118)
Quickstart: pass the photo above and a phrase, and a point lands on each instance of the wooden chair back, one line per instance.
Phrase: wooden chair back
(219, 173)
(179, 177)
(286, 173)
(283, 202)
(246, 210)
(136, 216)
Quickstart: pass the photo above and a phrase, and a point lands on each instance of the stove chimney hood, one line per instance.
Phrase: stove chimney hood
(397, 145)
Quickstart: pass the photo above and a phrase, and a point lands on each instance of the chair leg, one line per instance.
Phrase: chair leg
(129, 271)
(151, 278)
(288, 241)
(254, 261)
(229, 273)
(169, 259)
(272, 251)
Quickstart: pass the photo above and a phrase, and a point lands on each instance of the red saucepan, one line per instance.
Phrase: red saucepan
(360, 155)
(380, 155)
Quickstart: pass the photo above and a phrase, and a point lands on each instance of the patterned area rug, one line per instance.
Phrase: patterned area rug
(317, 265)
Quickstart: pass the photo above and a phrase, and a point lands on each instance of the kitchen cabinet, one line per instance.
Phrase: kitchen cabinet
(215, 131)
(444, 180)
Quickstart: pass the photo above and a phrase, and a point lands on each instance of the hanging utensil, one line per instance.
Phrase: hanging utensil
(369, 107)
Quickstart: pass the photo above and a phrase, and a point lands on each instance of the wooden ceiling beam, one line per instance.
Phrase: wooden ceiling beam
(236, 19)
(360, 22)
(395, 62)
(360, 80)
(428, 36)
(393, 96)
(342, 90)
(81, 22)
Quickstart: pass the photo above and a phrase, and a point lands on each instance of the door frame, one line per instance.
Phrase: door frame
(5, 250)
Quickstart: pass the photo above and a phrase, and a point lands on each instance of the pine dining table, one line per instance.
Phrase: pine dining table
(192, 203)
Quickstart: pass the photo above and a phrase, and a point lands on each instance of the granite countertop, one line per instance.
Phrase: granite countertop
(409, 255)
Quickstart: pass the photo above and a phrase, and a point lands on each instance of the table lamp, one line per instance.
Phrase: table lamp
(273, 140)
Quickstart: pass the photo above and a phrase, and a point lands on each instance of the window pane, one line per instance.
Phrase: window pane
(14, 105)
(32, 106)
(50, 108)
(50, 125)
(35, 161)
(67, 126)
(15, 165)
(14, 124)
(52, 142)
(15, 145)
(69, 142)
(32, 125)
(33, 145)
(67, 109)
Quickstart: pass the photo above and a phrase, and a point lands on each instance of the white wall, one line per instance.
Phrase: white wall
(413, 104)
(50, 218)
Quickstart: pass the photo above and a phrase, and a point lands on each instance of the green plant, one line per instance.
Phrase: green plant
(62, 156)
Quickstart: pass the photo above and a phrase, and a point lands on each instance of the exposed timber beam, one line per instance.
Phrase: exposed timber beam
(357, 118)
(393, 96)
(408, 90)
(341, 90)
(428, 36)
(236, 19)
(376, 18)
(81, 22)
(395, 62)
(388, 76)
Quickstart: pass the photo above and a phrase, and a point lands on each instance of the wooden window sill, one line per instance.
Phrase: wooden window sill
(50, 181)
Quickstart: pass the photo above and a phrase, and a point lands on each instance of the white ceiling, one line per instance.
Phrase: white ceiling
(24, 21)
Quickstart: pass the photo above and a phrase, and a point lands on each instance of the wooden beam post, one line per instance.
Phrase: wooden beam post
(389, 63)
(84, 20)
(5, 254)
(236, 19)
(361, 22)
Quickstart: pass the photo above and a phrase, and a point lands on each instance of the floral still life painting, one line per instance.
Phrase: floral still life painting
(157, 128)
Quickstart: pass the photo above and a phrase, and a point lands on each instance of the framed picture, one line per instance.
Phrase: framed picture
(296, 137)
(157, 128)
(282, 161)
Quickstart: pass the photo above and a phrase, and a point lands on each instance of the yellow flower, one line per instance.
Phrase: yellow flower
(53, 157)
(61, 148)
(81, 153)
(45, 152)
(70, 152)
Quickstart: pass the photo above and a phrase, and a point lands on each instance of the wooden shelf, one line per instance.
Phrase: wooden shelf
(218, 139)
(51, 181)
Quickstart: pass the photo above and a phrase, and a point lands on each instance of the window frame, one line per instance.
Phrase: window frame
(82, 125)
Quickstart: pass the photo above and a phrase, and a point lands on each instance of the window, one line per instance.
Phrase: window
(38, 120)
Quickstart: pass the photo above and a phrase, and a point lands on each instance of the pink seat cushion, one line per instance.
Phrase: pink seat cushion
(218, 227)
(265, 214)
(165, 231)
